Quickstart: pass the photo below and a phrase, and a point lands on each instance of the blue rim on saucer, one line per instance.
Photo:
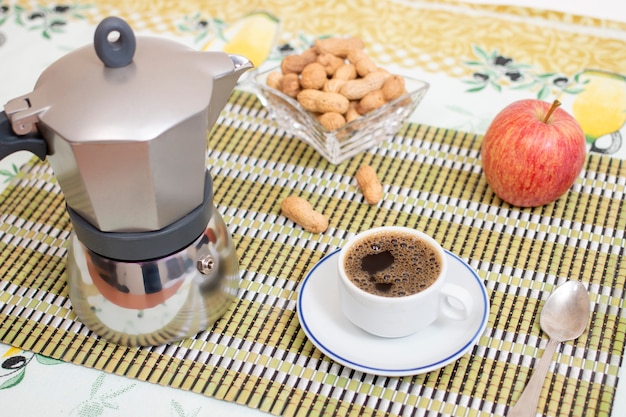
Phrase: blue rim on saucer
(330, 331)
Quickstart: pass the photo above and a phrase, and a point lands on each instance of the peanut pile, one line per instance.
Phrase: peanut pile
(336, 81)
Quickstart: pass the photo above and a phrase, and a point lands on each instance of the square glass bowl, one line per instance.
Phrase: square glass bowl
(352, 138)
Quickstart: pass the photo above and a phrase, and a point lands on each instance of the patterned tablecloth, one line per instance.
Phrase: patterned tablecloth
(477, 59)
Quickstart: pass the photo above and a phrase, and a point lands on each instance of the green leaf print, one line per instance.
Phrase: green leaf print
(44, 360)
(179, 411)
(14, 380)
(498, 72)
(99, 402)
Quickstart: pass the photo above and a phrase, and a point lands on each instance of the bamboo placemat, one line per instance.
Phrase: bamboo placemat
(257, 354)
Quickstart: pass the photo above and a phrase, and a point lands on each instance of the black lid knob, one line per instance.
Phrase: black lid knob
(119, 52)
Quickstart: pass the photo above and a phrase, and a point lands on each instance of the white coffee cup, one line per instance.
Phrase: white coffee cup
(398, 316)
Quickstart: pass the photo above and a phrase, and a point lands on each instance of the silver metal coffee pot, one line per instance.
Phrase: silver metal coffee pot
(123, 124)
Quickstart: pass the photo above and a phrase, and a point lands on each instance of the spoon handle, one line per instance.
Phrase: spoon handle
(526, 405)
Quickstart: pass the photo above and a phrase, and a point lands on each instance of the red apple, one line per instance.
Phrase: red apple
(532, 153)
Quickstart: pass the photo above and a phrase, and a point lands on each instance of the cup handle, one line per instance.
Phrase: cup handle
(457, 303)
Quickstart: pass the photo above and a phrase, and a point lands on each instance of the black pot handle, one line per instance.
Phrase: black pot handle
(10, 142)
(115, 53)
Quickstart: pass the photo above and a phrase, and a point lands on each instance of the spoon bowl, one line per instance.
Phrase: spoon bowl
(566, 312)
(564, 317)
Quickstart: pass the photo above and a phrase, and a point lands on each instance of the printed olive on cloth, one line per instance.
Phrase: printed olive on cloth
(258, 355)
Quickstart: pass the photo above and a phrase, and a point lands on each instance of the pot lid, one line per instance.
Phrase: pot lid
(124, 89)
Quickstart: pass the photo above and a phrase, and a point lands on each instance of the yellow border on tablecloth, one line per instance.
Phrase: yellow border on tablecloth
(436, 36)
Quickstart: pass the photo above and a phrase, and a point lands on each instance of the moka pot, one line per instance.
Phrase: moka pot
(123, 124)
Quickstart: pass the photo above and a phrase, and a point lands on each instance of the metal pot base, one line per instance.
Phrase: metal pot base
(148, 303)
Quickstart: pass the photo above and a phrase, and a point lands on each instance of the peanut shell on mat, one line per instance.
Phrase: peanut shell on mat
(300, 211)
(370, 185)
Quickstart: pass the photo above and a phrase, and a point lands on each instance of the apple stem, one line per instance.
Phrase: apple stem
(555, 104)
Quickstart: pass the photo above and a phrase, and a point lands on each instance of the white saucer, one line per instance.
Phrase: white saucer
(431, 348)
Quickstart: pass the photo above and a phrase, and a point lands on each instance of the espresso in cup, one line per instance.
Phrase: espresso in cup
(393, 281)
(392, 263)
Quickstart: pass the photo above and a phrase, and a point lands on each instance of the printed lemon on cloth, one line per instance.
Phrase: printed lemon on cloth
(253, 36)
(601, 107)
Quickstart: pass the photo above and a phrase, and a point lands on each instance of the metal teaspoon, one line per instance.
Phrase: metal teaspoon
(564, 317)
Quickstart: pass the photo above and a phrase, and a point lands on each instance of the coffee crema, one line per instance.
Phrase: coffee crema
(392, 264)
